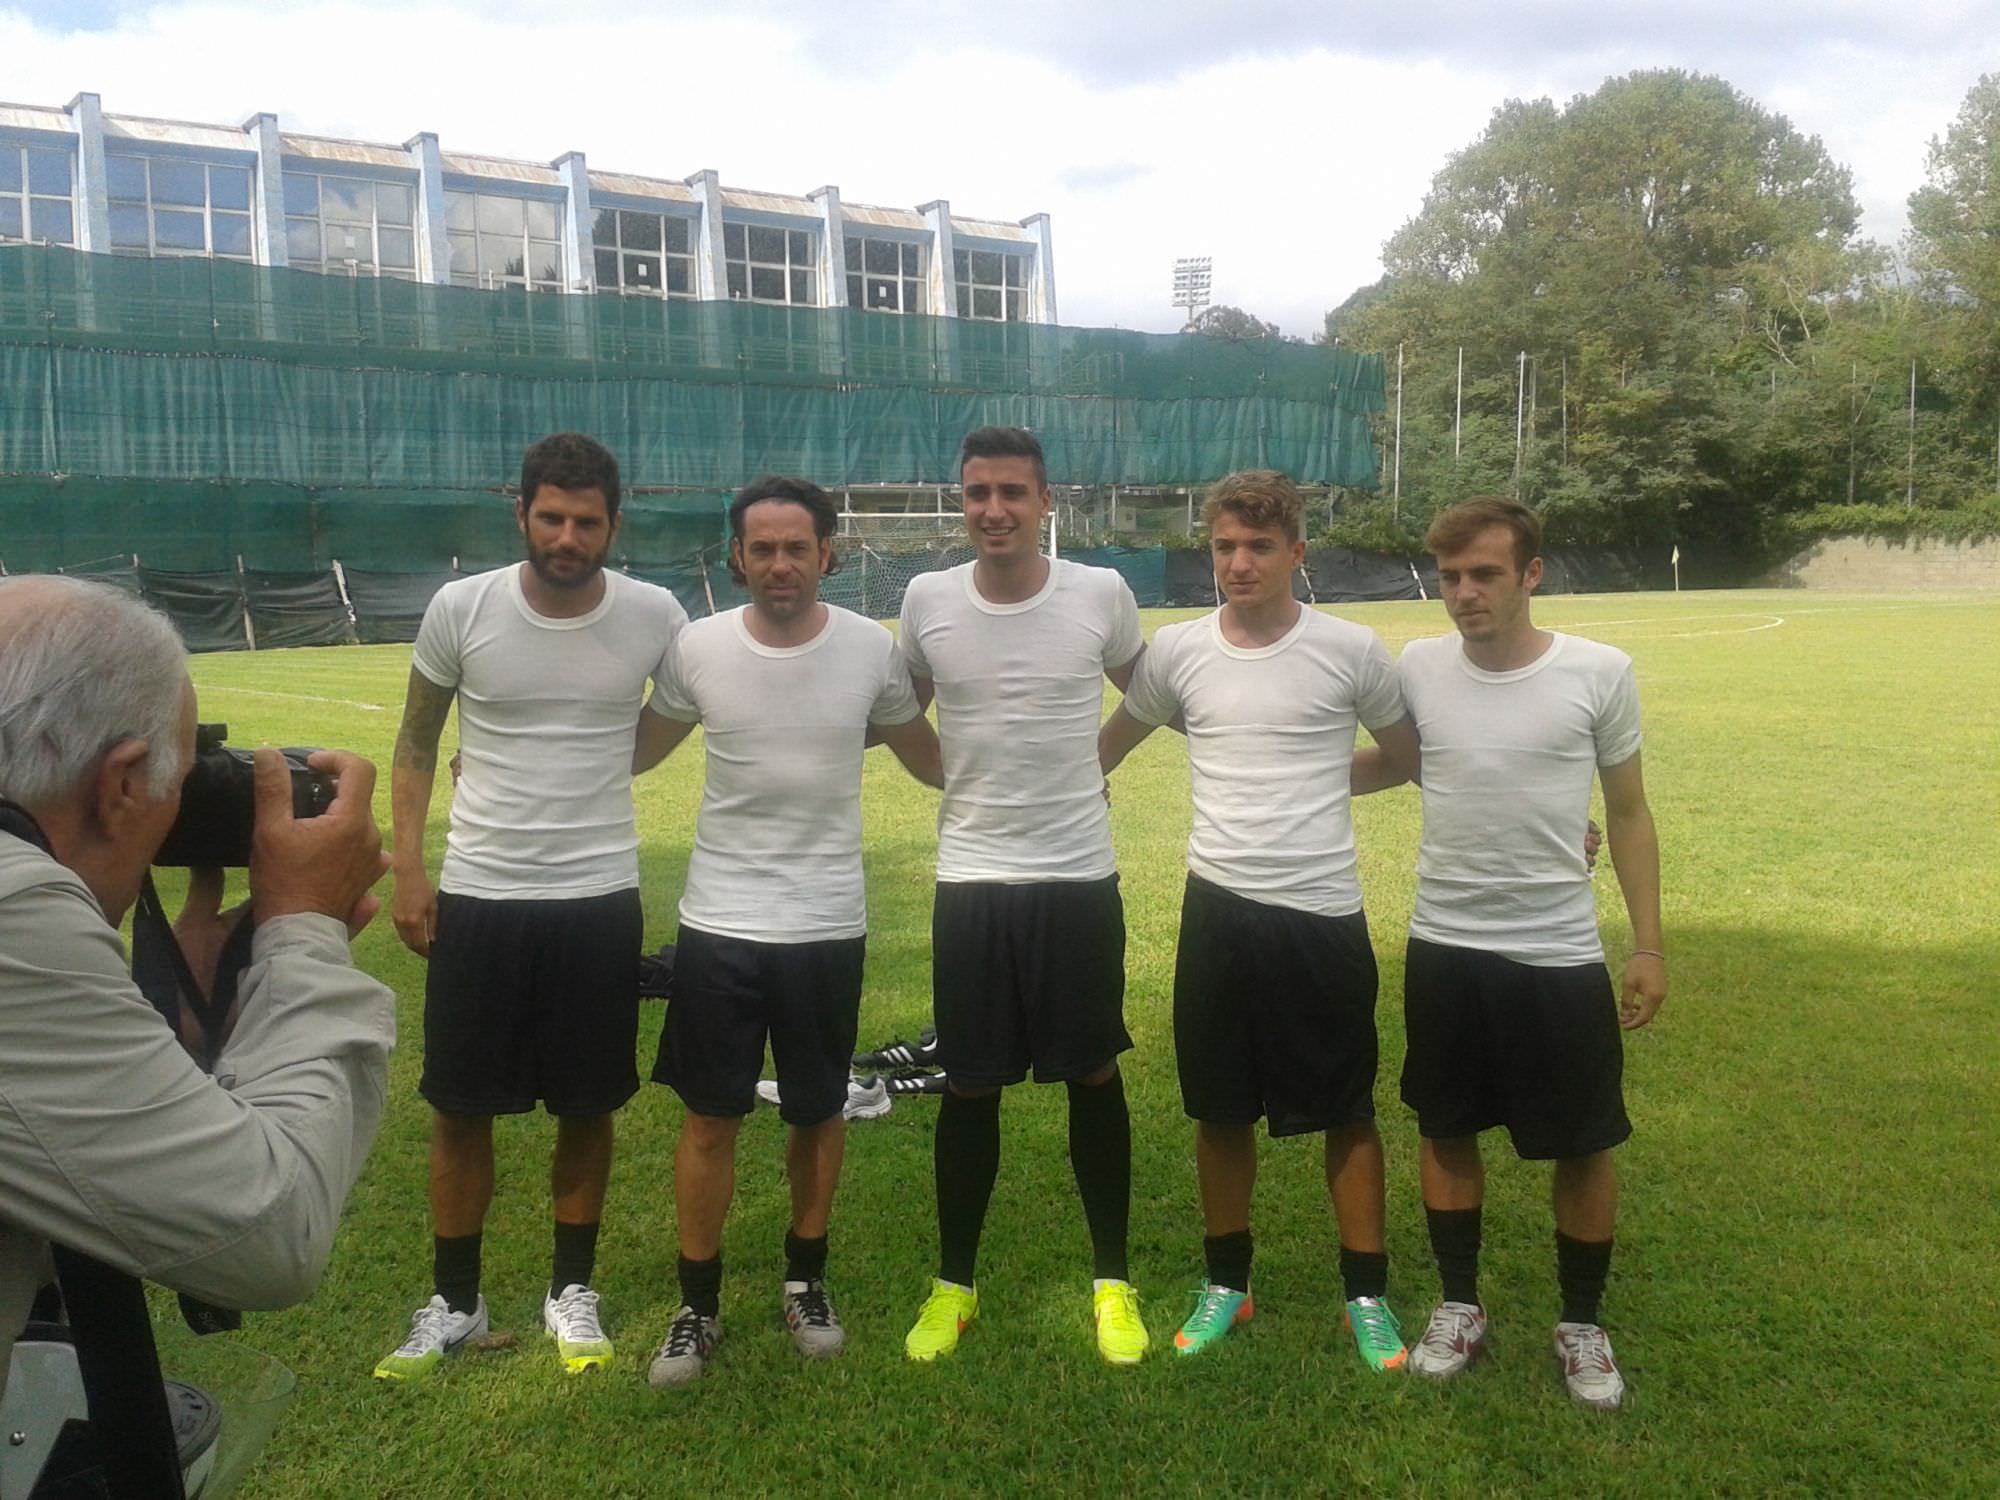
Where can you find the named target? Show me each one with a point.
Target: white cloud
(1288, 167)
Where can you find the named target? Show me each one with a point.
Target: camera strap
(160, 968)
(115, 1353)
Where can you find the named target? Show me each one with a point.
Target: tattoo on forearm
(424, 712)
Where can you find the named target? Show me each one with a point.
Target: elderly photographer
(113, 1142)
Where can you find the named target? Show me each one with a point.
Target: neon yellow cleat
(1121, 1337)
(947, 1312)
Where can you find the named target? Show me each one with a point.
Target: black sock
(1455, 1243)
(701, 1285)
(1581, 1269)
(805, 1260)
(1228, 1257)
(1100, 1153)
(1364, 1273)
(455, 1266)
(575, 1257)
(967, 1159)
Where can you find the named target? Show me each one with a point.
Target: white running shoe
(1454, 1339)
(1584, 1352)
(572, 1321)
(435, 1331)
(867, 1098)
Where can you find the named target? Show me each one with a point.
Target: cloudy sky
(1285, 140)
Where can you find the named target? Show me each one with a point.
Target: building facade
(125, 185)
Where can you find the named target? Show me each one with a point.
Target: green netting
(412, 404)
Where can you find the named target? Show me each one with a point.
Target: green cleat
(1377, 1335)
(1217, 1309)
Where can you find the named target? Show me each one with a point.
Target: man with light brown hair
(1275, 980)
(1510, 1013)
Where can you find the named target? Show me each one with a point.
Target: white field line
(219, 687)
(1760, 614)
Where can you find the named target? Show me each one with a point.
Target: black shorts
(1028, 976)
(1495, 1042)
(731, 994)
(1274, 1013)
(533, 1001)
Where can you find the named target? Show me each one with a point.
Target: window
(37, 201)
(992, 285)
(885, 275)
(350, 226)
(501, 241)
(645, 253)
(166, 206)
(769, 265)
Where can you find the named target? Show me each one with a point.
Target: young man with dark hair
(1509, 1008)
(789, 691)
(1275, 982)
(1028, 934)
(534, 937)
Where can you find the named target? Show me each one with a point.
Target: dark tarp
(388, 607)
(296, 609)
(207, 608)
(1341, 576)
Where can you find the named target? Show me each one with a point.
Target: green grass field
(1804, 1298)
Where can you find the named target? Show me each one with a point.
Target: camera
(219, 802)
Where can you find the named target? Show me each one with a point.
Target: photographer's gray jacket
(114, 1142)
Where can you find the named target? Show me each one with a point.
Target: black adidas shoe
(918, 1054)
(913, 1081)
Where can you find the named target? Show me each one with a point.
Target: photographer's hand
(322, 865)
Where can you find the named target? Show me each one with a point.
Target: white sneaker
(435, 1331)
(691, 1339)
(1454, 1339)
(867, 1098)
(571, 1320)
(814, 1324)
(1584, 1352)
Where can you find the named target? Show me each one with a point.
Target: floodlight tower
(1193, 276)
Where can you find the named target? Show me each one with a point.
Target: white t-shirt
(1270, 746)
(1508, 759)
(1020, 695)
(547, 710)
(777, 844)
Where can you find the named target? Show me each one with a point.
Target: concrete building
(124, 185)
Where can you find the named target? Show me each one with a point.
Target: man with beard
(534, 936)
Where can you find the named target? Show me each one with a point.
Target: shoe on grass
(867, 1098)
(571, 1319)
(947, 1312)
(917, 1054)
(1121, 1337)
(1584, 1352)
(910, 1083)
(814, 1324)
(1454, 1339)
(1377, 1335)
(1217, 1309)
(435, 1331)
(691, 1339)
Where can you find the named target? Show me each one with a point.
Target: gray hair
(82, 667)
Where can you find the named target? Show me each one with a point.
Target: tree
(1231, 323)
(1341, 318)
(1656, 249)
